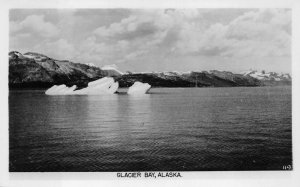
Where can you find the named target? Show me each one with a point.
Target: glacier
(105, 85)
(138, 88)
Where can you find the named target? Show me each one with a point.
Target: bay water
(169, 129)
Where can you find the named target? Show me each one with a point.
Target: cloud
(35, 24)
(143, 32)
(59, 49)
(148, 35)
(258, 33)
(144, 23)
(129, 28)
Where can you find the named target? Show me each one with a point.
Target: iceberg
(51, 90)
(70, 90)
(139, 88)
(59, 90)
(113, 88)
(106, 85)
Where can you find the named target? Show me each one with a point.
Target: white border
(232, 178)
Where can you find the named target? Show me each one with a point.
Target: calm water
(183, 129)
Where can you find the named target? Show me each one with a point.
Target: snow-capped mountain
(112, 67)
(268, 76)
(14, 54)
(35, 56)
(90, 64)
(37, 70)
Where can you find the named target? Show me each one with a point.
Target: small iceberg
(60, 90)
(106, 85)
(139, 88)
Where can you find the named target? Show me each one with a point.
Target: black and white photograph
(149, 90)
(138, 93)
(103, 90)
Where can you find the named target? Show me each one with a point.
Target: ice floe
(60, 90)
(106, 85)
(139, 88)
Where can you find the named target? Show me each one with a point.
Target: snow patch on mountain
(90, 64)
(112, 67)
(267, 76)
(29, 56)
(35, 56)
(14, 54)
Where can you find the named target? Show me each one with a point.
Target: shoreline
(45, 88)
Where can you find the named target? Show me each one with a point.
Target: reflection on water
(169, 129)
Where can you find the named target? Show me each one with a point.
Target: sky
(143, 40)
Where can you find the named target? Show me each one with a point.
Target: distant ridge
(35, 70)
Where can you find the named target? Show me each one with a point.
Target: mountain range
(34, 70)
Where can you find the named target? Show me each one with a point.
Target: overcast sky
(158, 39)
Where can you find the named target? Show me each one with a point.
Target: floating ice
(139, 88)
(106, 85)
(113, 88)
(60, 90)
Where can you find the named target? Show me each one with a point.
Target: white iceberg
(70, 90)
(58, 90)
(113, 88)
(106, 85)
(51, 90)
(139, 88)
